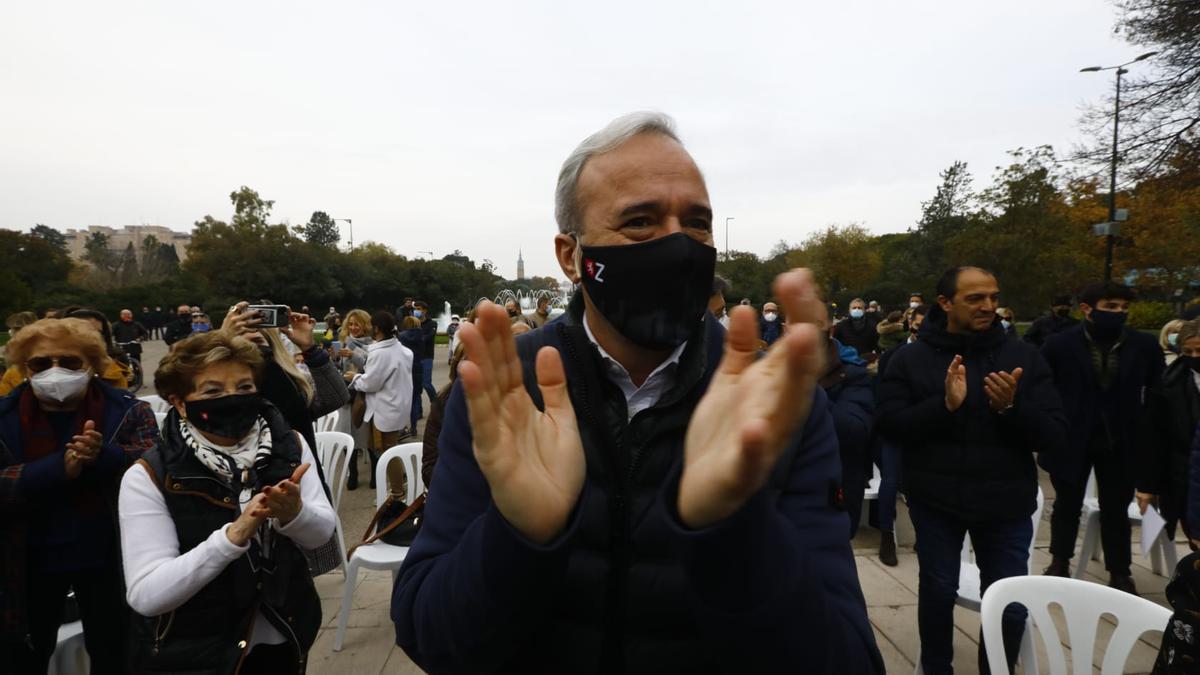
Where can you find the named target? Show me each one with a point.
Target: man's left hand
(1001, 389)
(752, 407)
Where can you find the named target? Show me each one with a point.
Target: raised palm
(752, 406)
(533, 460)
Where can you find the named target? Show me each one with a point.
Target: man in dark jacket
(179, 327)
(969, 409)
(1058, 320)
(1102, 370)
(852, 402)
(858, 330)
(428, 338)
(600, 512)
(770, 324)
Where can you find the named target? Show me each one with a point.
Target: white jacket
(387, 382)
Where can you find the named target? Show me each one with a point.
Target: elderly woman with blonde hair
(66, 437)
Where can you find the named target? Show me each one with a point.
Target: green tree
(97, 252)
(843, 259)
(320, 230)
(52, 236)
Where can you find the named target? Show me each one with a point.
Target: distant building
(520, 265)
(119, 240)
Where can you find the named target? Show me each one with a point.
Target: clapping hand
(752, 407)
(533, 460)
(956, 384)
(82, 450)
(282, 501)
(1001, 389)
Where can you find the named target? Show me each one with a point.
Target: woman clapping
(213, 522)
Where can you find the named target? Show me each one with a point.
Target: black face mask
(654, 293)
(1062, 313)
(228, 416)
(1107, 326)
(1192, 362)
(185, 316)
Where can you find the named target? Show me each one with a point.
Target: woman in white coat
(386, 381)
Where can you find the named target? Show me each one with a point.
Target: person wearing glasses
(66, 437)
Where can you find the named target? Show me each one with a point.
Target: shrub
(1150, 315)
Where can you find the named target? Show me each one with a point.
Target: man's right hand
(956, 384)
(533, 461)
(242, 529)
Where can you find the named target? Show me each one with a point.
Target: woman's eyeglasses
(39, 363)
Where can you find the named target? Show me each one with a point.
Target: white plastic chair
(326, 422)
(1164, 547)
(1082, 604)
(379, 555)
(333, 452)
(872, 490)
(157, 403)
(969, 596)
(70, 654)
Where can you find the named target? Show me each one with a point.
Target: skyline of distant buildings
(120, 238)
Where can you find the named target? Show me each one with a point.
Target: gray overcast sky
(437, 126)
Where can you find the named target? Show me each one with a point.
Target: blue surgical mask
(201, 327)
(1006, 323)
(1173, 339)
(856, 314)
(418, 313)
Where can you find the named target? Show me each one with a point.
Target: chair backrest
(157, 403)
(161, 417)
(410, 454)
(327, 422)
(333, 452)
(968, 555)
(1082, 603)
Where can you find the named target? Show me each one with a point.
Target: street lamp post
(350, 223)
(727, 238)
(1112, 179)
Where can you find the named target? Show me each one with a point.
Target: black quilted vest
(209, 633)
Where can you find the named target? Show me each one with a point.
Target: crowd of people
(642, 482)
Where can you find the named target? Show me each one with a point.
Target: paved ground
(890, 593)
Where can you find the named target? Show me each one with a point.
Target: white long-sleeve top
(160, 580)
(387, 383)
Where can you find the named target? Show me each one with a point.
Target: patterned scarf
(250, 453)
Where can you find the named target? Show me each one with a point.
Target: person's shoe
(1059, 567)
(1122, 582)
(887, 548)
(352, 473)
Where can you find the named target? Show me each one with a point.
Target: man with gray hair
(630, 488)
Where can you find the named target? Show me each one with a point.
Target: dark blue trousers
(1001, 551)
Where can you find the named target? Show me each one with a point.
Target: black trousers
(1114, 486)
(270, 660)
(102, 608)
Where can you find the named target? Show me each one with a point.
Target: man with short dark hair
(968, 408)
(406, 309)
(716, 300)
(541, 314)
(630, 488)
(1058, 320)
(1103, 369)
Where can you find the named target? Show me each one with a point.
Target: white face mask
(59, 385)
(1007, 324)
(856, 313)
(770, 316)
(914, 305)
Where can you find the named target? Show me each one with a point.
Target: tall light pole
(1112, 179)
(349, 222)
(727, 238)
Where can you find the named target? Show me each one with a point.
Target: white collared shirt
(659, 382)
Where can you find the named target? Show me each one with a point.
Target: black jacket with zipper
(209, 634)
(1174, 413)
(973, 462)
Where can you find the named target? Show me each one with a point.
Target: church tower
(520, 265)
